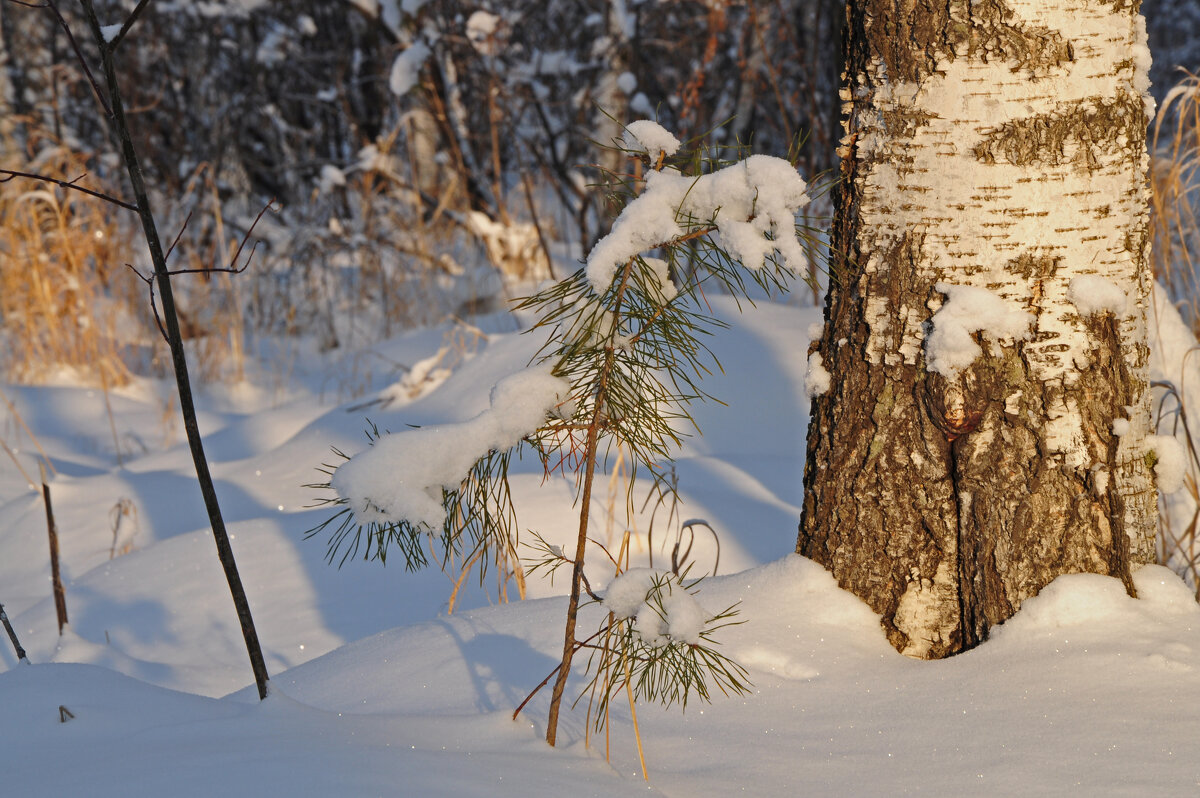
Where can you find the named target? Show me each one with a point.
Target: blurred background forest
(426, 159)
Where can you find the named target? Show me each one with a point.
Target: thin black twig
(12, 635)
(246, 237)
(149, 281)
(71, 184)
(133, 16)
(232, 268)
(178, 236)
(119, 127)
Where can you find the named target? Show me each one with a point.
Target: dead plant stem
(637, 734)
(60, 595)
(12, 636)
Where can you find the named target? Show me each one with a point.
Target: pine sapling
(624, 358)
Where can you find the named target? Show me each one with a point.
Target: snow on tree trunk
(960, 460)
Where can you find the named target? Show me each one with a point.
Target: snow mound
(1099, 605)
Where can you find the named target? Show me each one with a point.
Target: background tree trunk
(997, 144)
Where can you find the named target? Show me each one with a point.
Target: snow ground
(377, 691)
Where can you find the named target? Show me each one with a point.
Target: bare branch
(174, 243)
(133, 15)
(149, 281)
(245, 238)
(587, 586)
(71, 184)
(232, 268)
(549, 676)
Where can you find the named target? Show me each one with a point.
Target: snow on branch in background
(406, 69)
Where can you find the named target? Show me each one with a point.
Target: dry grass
(363, 260)
(1175, 228)
(1178, 547)
(1175, 181)
(62, 300)
(68, 298)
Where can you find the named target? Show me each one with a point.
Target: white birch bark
(1008, 155)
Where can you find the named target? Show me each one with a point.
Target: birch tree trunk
(998, 144)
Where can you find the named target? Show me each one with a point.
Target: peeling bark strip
(998, 144)
(914, 42)
(1081, 130)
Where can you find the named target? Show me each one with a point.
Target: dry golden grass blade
(1175, 181)
(60, 306)
(637, 732)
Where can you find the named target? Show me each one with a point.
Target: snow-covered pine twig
(402, 476)
(752, 205)
(447, 482)
(667, 638)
